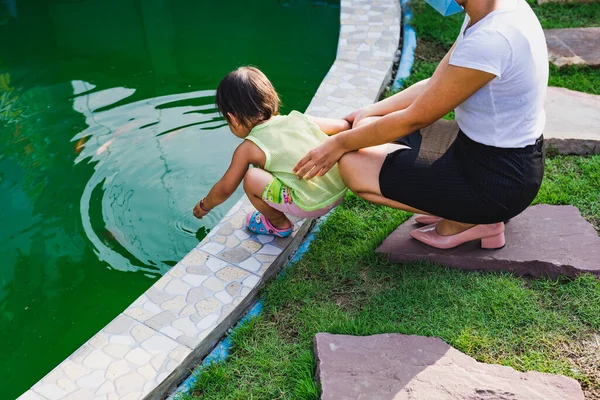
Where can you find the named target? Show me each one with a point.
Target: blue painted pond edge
(409, 44)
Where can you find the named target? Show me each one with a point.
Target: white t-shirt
(509, 110)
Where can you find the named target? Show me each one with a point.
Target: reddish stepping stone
(573, 46)
(544, 240)
(396, 366)
(572, 121)
(565, 1)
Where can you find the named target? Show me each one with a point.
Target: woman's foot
(447, 227)
(432, 219)
(427, 219)
(491, 235)
(259, 224)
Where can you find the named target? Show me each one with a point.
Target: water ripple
(153, 159)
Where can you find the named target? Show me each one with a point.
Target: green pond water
(109, 136)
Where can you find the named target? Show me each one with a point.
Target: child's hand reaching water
(250, 105)
(200, 210)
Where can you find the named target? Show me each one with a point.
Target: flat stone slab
(573, 46)
(567, 1)
(572, 121)
(544, 240)
(402, 367)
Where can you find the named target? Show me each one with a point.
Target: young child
(273, 143)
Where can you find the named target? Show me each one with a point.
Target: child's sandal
(258, 223)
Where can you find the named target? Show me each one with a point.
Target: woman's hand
(352, 116)
(356, 116)
(320, 159)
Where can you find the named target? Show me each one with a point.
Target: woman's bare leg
(448, 228)
(360, 172)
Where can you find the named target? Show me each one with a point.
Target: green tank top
(285, 140)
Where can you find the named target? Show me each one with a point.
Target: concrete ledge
(151, 347)
(367, 49)
(148, 348)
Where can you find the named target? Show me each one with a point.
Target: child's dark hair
(248, 95)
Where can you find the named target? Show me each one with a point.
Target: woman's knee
(346, 168)
(360, 169)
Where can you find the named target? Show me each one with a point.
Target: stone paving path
(564, 1)
(367, 49)
(396, 366)
(544, 240)
(573, 118)
(572, 121)
(573, 46)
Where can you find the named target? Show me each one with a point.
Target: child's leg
(255, 182)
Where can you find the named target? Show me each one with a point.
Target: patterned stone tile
(31, 395)
(370, 30)
(248, 249)
(363, 83)
(124, 360)
(188, 302)
(367, 48)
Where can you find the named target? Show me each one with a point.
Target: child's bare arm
(331, 126)
(247, 153)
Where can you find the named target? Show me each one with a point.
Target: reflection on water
(142, 152)
(108, 138)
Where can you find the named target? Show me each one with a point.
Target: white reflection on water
(154, 159)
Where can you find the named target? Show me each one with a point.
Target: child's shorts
(278, 196)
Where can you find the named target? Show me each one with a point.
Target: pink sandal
(258, 223)
(491, 235)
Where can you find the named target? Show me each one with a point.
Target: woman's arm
(453, 86)
(403, 99)
(247, 153)
(330, 126)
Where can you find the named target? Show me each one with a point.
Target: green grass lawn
(342, 286)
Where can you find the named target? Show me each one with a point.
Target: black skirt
(447, 174)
